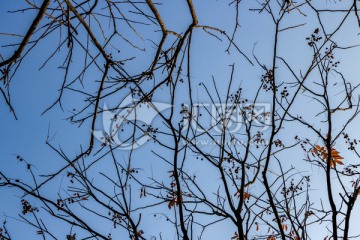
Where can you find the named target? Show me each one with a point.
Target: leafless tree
(272, 156)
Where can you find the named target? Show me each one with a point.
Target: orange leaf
(335, 157)
(171, 203)
(315, 151)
